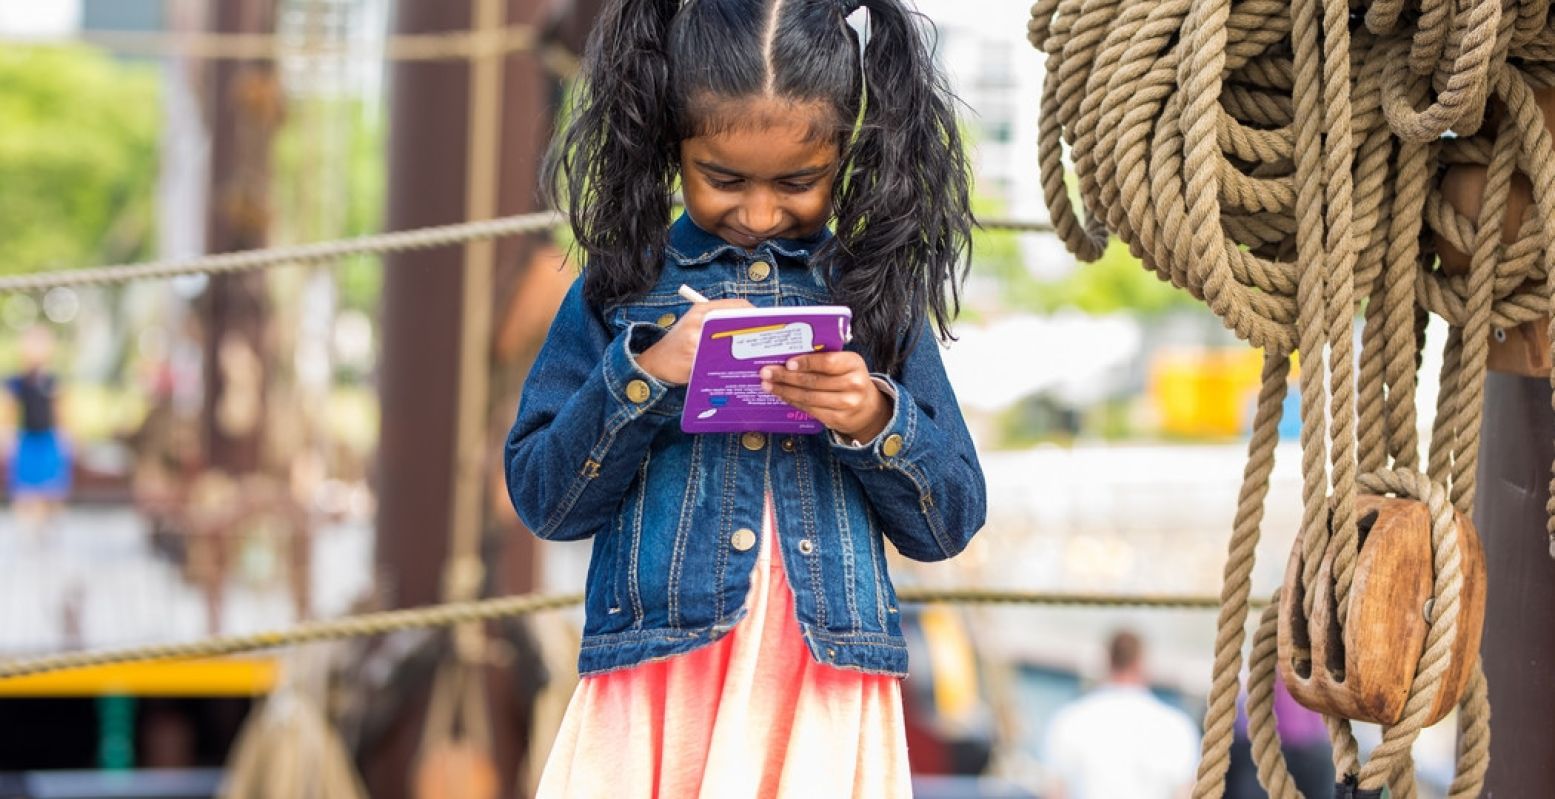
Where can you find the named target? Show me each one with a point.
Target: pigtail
(613, 166)
(903, 203)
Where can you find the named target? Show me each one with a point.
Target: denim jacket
(597, 450)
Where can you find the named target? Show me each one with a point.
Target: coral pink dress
(751, 715)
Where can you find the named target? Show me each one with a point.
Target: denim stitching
(682, 531)
(581, 481)
(925, 504)
(845, 532)
(617, 533)
(613, 426)
(798, 254)
(806, 494)
(704, 258)
(726, 522)
(882, 579)
(632, 581)
(852, 639)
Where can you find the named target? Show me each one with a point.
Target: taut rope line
(456, 613)
(289, 255)
(334, 250)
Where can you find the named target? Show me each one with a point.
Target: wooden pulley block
(1463, 187)
(1367, 673)
(1525, 349)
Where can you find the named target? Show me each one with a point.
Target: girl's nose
(763, 215)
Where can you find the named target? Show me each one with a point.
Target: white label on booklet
(770, 340)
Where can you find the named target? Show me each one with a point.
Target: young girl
(742, 637)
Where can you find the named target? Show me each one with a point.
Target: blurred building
(121, 15)
(999, 79)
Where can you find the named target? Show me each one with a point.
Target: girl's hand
(835, 388)
(669, 359)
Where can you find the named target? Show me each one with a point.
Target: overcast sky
(39, 17)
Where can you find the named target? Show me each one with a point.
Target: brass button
(805, 546)
(892, 445)
(754, 441)
(637, 391)
(789, 444)
(760, 270)
(743, 539)
(667, 320)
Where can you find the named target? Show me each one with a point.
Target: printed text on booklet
(724, 394)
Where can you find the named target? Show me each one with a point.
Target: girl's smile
(767, 179)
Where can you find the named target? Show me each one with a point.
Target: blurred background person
(1119, 740)
(1303, 740)
(40, 459)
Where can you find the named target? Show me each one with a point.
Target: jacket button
(892, 445)
(789, 444)
(805, 546)
(667, 320)
(743, 539)
(637, 391)
(754, 441)
(759, 271)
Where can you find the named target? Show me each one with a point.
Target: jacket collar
(690, 245)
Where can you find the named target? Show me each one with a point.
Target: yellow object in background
(1204, 393)
(954, 663)
(177, 678)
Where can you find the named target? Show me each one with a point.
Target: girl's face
(768, 176)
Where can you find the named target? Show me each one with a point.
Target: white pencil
(691, 293)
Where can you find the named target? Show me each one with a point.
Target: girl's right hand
(669, 360)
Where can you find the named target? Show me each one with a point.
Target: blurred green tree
(1115, 283)
(78, 158)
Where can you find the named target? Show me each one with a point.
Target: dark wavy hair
(657, 72)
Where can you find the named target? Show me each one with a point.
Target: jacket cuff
(632, 388)
(893, 442)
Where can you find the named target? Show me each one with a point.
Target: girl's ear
(612, 167)
(903, 202)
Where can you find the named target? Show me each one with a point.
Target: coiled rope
(1277, 160)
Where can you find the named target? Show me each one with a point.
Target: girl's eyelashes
(788, 186)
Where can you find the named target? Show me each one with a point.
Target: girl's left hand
(835, 388)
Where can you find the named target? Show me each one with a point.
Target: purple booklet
(724, 394)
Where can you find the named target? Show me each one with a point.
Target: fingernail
(766, 373)
(766, 385)
(793, 366)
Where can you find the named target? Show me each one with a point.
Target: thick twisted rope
(452, 614)
(320, 252)
(330, 251)
(1220, 716)
(446, 615)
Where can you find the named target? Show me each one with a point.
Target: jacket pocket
(663, 309)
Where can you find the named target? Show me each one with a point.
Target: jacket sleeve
(921, 472)
(587, 416)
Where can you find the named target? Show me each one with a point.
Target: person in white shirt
(1119, 741)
